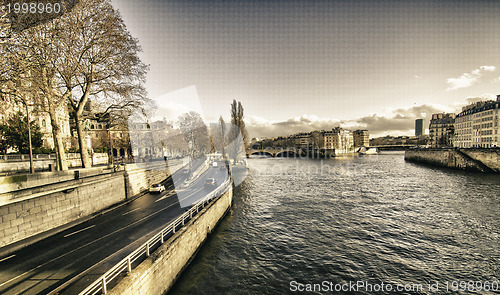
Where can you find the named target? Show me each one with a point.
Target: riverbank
(475, 159)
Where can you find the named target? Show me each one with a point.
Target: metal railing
(144, 251)
(26, 157)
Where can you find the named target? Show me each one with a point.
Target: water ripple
(377, 218)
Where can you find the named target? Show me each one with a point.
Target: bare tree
(30, 54)
(83, 54)
(25, 79)
(195, 131)
(100, 60)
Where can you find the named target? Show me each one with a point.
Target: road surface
(69, 261)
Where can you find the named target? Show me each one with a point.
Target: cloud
(399, 121)
(482, 97)
(488, 68)
(260, 127)
(468, 79)
(390, 121)
(173, 104)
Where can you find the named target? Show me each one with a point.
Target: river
(371, 222)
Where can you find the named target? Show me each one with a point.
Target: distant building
(419, 127)
(441, 130)
(477, 125)
(318, 139)
(399, 140)
(340, 140)
(301, 140)
(361, 138)
(42, 119)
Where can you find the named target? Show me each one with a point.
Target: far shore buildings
(477, 125)
(441, 130)
(361, 138)
(339, 140)
(400, 141)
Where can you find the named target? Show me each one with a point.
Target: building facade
(477, 125)
(42, 119)
(361, 138)
(441, 130)
(340, 140)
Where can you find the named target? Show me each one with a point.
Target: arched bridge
(274, 152)
(394, 147)
(292, 152)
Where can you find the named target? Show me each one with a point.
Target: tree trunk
(84, 153)
(62, 163)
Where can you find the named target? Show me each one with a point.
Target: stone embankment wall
(26, 213)
(33, 204)
(157, 274)
(482, 160)
(139, 177)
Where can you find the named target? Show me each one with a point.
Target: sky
(303, 65)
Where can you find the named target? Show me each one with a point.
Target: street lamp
(192, 157)
(32, 169)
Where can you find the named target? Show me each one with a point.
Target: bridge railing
(144, 251)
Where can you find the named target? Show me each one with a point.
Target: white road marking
(7, 258)
(18, 276)
(130, 211)
(79, 231)
(96, 240)
(165, 196)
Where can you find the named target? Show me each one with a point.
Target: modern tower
(419, 127)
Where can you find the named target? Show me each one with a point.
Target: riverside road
(67, 262)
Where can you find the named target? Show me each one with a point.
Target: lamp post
(110, 144)
(32, 169)
(192, 158)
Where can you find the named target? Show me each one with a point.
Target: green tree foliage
(15, 134)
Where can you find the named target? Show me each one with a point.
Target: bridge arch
(261, 153)
(286, 153)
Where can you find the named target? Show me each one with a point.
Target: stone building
(361, 138)
(42, 119)
(339, 139)
(302, 140)
(477, 125)
(441, 130)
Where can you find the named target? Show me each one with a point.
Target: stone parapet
(476, 159)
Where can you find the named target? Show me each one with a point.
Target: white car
(156, 188)
(187, 182)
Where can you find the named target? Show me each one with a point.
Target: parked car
(157, 188)
(210, 183)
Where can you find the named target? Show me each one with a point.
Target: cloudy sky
(301, 65)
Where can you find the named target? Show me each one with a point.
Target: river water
(360, 225)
